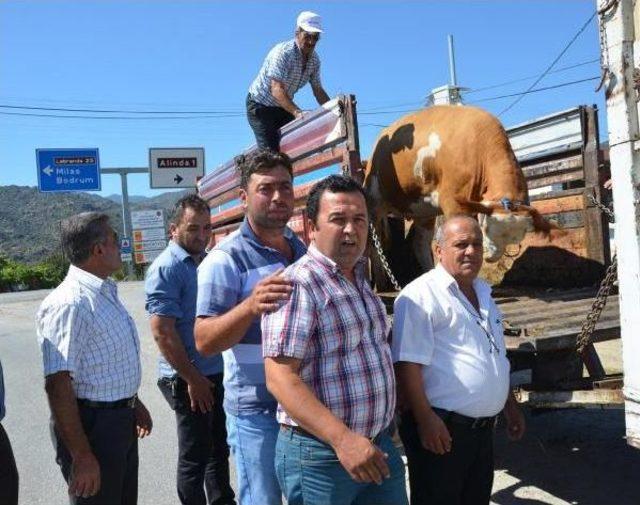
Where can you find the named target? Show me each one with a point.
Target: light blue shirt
(286, 64)
(171, 287)
(225, 278)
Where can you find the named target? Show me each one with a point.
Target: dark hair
(334, 184)
(260, 161)
(81, 232)
(190, 201)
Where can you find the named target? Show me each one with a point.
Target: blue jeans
(252, 440)
(310, 474)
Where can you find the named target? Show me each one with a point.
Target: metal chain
(383, 258)
(589, 325)
(604, 45)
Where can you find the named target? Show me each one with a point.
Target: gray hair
(81, 232)
(440, 230)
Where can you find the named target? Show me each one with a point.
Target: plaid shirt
(284, 63)
(339, 332)
(84, 329)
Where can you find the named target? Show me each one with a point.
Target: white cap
(309, 22)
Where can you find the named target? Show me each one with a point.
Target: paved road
(567, 457)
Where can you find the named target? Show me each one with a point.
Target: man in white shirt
(91, 356)
(452, 372)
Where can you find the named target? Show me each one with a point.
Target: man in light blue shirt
(287, 68)
(239, 281)
(8, 469)
(190, 382)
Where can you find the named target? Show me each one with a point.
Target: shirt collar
(247, 233)
(331, 265)
(446, 280)
(178, 251)
(87, 279)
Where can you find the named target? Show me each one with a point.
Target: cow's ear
(469, 207)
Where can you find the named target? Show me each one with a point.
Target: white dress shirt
(84, 329)
(464, 364)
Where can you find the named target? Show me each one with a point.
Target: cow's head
(504, 223)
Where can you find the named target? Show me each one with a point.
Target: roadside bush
(20, 277)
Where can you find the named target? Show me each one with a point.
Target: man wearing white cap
(286, 69)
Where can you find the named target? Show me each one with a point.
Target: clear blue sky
(201, 56)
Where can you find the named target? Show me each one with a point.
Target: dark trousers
(113, 440)
(8, 472)
(265, 122)
(203, 453)
(463, 476)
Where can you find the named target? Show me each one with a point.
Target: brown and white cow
(450, 160)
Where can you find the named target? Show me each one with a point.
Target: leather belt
(301, 431)
(475, 423)
(125, 403)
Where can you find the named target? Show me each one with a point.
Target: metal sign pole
(126, 214)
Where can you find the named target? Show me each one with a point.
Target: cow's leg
(421, 242)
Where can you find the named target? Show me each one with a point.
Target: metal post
(452, 63)
(617, 41)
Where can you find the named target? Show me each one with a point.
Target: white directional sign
(175, 167)
(149, 234)
(147, 219)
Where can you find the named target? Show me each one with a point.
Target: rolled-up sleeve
(412, 336)
(287, 331)
(162, 292)
(219, 286)
(61, 330)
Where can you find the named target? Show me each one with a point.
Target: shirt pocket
(340, 327)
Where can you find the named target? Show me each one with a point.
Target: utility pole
(620, 54)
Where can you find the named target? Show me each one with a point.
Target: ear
(469, 207)
(242, 194)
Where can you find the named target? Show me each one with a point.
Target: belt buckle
(131, 402)
(478, 423)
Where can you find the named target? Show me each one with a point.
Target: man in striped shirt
(238, 281)
(328, 363)
(91, 355)
(287, 68)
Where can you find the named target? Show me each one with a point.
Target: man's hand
(85, 475)
(515, 420)
(144, 424)
(200, 391)
(269, 292)
(364, 461)
(433, 433)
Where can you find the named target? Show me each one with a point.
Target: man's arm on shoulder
(85, 470)
(222, 322)
(364, 461)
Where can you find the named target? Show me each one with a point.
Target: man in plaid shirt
(328, 363)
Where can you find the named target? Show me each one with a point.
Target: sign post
(149, 235)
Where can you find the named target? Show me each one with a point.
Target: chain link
(589, 325)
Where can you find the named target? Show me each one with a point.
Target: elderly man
(91, 355)
(238, 281)
(286, 69)
(328, 363)
(453, 373)
(191, 383)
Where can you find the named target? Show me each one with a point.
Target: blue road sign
(125, 245)
(68, 170)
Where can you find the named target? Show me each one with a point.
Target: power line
(566, 48)
(138, 118)
(506, 83)
(546, 88)
(114, 111)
